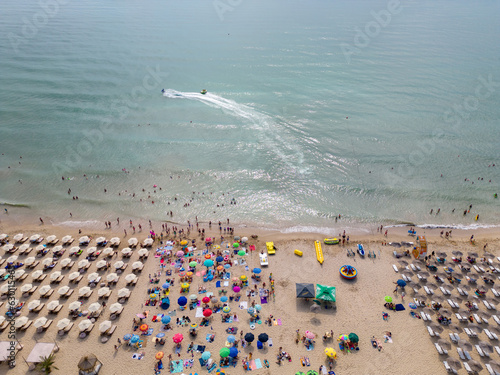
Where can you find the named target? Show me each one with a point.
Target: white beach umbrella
(40, 248)
(126, 251)
(18, 237)
(93, 307)
(36, 274)
(84, 240)
(84, 324)
(2, 319)
(103, 291)
(148, 241)
(83, 291)
(65, 262)
(26, 287)
(75, 305)
(52, 305)
(7, 247)
(142, 252)
(83, 263)
(34, 238)
(29, 261)
(101, 264)
(132, 241)
(63, 290)
(123, 292)
(130, 277)
(112, 277)
(66, 239)
(104, 326)
(12, 259)
(34, 304)
(136, 265)
(115, 241)
(115, 307)
(100, 240)
(19, 322)
(91, 250)
(73, 275)
(108, 251)
(74, 250)
(44, 290)
(244, 239)
(51, 238)
(19, 273)
(57, 248)
(24, 247)
(47, 262)
(119, 264)
(40, 322)
(3, 271)
(5, 288)
(93, 276)
(3, 236)
(55, 275)
(63, 323)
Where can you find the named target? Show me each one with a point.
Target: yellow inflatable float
(319, 252)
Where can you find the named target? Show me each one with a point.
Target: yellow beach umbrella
(243, 278)
(330, 353)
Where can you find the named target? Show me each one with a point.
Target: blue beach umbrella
(223, 299)
(127, 337)
(231, 339)
(134, 339)
(401, 282)
(251, 310)
(219, 259)
(182, 301)
(227, 266)
(166, 286)
(257, 270)
(258, 307)
(206, 355)
(166, 319)
(208, 263)
(233, 352)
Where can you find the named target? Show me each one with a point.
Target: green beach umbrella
(236, 245)
(299, 373)
(312, 372)
(353, 337)
(224, 352)
(325, 293)
(193, 264)
(242, 252)
(388, 299)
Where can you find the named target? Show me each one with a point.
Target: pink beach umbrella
(310, 335)
(208, 239)
(206, 299)
(178, 338)
(236, 288)
(180, 253)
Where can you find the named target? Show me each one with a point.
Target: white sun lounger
(497, 349)
(461, 353)
(454, 337)
(453, 304)
(462, 292)
(467, 355)
(431, 332)
(468, 369)
(481, 269)
(446, 292)
(470, 332)
(478, 270)
(421, 278)
(440, 349)
(414, 269)
(491, 335)
(460, 317)
(406, 278)
(488, 306)
(395, 268)
(428, 290)
(490, 369)
(448, 368)
(424, 317)
(481, 352)
(497, 320)
(495, 292)
(478, 319)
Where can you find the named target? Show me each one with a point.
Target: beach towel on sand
(199, 312)
(177, 366)
(258, 364)
(263, 300)
(252, 365)
(400, 307)
(243, 305)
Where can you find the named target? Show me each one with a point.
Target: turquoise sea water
(314, 109)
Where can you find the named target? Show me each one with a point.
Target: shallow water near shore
(289, 128)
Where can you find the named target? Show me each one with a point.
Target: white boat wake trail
(267, 129)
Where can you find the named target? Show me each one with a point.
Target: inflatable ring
(348, 272)
(226, 258)
(216, 247)
(259, 321)
(252, 326)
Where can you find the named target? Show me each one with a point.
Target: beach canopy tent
(5, 350)
(325, 293)
(305, 290)
(39, 351)
(89, 365)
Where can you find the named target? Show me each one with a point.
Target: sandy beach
(359, 306)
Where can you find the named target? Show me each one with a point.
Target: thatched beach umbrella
(88, 363)
(464, 344)
(445, 344)
(454, 363)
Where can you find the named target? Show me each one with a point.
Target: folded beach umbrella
(263, 337)
(475, 365)
(40, 322)
(224, 352)
(249, 337)
(205, 355)
(63, 323)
